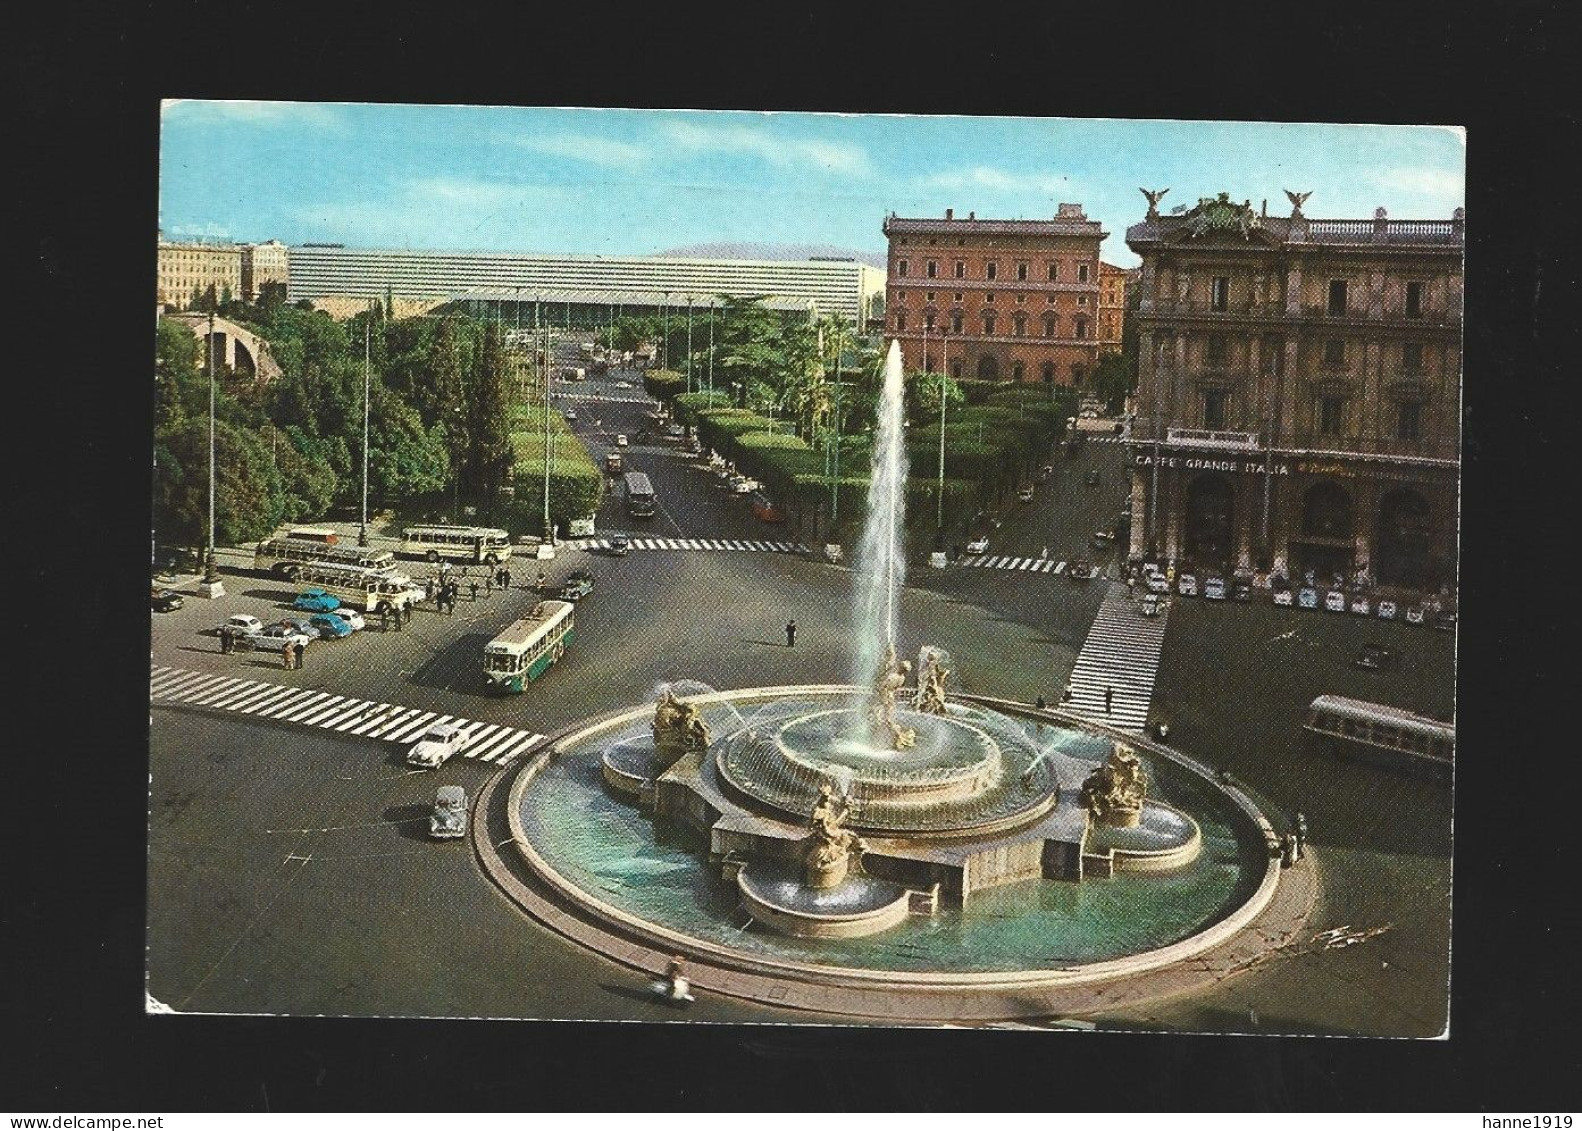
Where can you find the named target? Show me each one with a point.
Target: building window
(1054, 272)
(1020, 299)
(988, 323)
(900, 268)
(1409, 420)
(1414, 300)
(1049, 373)
(961, 268)
(991, 269)
(955, 369)
(1337, 296)
(1021, 272)
(1412, 357)
(933, 269)
(1016, 371)
(1330, 410)
(1019, 325)
(1082, 272)
(928, 321)
(1049, 325)
(1219, 293)
(900, 319)
(1082, 300)
(1335, 352)
(1082, 328)
(1214, 408)
(955, 323)
(958, 296)
(1216, 351)
(989, 297)
(930, 296)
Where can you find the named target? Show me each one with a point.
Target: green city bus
(526, 648)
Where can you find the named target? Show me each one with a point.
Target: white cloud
(832, 156)
(210, 113)
(439, 212)
(585, 147)
(999, 180)
(1427, 181)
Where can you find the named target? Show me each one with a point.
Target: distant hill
(773, 251)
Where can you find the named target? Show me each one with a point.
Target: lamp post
(211, 586)
(362, 528)
(664, 344)
(549, 531)
(834, 483)
(689, 343)
(711, 353)
(944, 371)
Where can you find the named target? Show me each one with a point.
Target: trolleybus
(285, 557)
(1381, 733)
(639, 495)
(526, 648)
(478, 544)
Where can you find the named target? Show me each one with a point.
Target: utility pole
(549, 531)
(711, 353)
(834, 484)
(944, 372)
(1153, 495)
(362, 529)
(689, 343)
(211, 586)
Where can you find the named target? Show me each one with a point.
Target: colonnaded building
(581, 290)
(996, 299)
(1298, 404)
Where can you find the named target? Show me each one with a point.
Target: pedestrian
(507, 575)
(1041, 704)
(538, 586)
(384, 618)
(790, 634)
(1044, 553)
(473, 585)
(406, 614)
(1301, 835)
(1068, 694)
(1109, 699)
(301, 650)
(1131, 584)
(225, 642)
(488, 584)
(285, 656)
(1287, 850)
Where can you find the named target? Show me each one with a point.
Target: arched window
(1016, 371)
(1327, 511)
(988, 368)
(1049, 373)
(900, 319)
(1210, 513)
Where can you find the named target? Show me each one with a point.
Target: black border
(86, 98)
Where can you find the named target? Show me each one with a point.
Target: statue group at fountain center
(887, 684)
(832, 846)
(679, 730)
(1113, 794)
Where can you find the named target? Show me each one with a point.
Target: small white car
(242, 625)
(1282, 597)
(1307, 597)
(1149, 605)
(1360, 604)
(1387, 610)
(620, 440)
(623, 384)
(438, 743)
(978, 546)
(1025, 494)
(1214, 588)
(1186, 585)
(449, 818)
(278, 635)
(1414, 614)
(1157, 583)
(354, 619)
(1335, 601)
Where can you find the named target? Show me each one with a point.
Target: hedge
(665, 384)
(575, 482)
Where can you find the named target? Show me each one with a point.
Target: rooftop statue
(887, 684)
(1154, 198)
(1113, 793)
(1297, 200)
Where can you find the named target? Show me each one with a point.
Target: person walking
(1041, 704)
(406, 614)
(1301, 835)
(384, 618)
(301, 651)
(1043, 554)
(473, 586)
(225, 642)
(488, 584)
(790, 634)
(1109, 699)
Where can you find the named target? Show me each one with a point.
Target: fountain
(833, 813)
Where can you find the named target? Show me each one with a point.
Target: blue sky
(627, 182)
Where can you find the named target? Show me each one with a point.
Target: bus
(639, 495)
(372, 588)
(475, 544)
(1386, 734)
(528, 646)
(285, 557)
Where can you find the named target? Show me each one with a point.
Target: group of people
(447, 587)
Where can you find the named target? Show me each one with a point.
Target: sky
(634, 182)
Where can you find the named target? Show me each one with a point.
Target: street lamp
(944, 370)
(211, 586)
(689, 343)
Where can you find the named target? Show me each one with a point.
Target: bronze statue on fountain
(832, 847)
(679, 729)
(887, 684)
(1113, 794)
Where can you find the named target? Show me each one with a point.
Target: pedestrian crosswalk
(1031, 565)
(1120, 655)
(606, 398)
(697, 544)
(387, 722)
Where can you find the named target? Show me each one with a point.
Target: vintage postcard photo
(789, 568)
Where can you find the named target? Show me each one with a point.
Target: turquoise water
(661, 873)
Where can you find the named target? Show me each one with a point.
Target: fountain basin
(860, 905)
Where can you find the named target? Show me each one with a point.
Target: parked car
(1025, 494)
(1374, 657)
(449, 818)
(1214, 587)
(1045, 472)
(1387, 610)
(1241, 589)
(165, 600)
(1335, 601)
(742, 485)
(1360, 604)
(438, 743)
(766, 510)
(978, 546)
(938, 559)
(242, 625)
(1156, 582)
(1283, 596)
(578, 584)
(1082, 570)
(620, 440)
(1416, 614)
(351, 618)
(675, 431)
(1307, 597)
(329, 626)
(1103, 540)
(571, 416)
(1186, 585)
(274, 637)
(620, 545)
(623, 384)
(1149, 605)
(614, 463)
(316, 601)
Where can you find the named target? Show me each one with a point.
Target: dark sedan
(166, 600)
(578, 584)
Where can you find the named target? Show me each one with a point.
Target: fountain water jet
(881, 553)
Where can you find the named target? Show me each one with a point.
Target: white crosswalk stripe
(1121, 654)
(741, 545)
(385, 722)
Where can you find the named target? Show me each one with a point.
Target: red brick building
(1009, 300)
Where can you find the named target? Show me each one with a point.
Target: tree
(1113, 379)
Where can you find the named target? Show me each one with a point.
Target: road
(289, 871)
